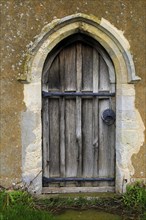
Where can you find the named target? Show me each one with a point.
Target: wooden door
(78, 147)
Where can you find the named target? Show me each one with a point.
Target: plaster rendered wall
(21, 21)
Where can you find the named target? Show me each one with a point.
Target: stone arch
(113, 41)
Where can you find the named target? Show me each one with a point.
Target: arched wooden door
(78, 146)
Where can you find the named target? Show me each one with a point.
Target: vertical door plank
(70, 138)
(45, 118)
(62, 114)
(103, 141)
(103, 128)
(95, 111)
(54, 76)
(111, 134)
(104, 82)
(106, 133)
(62, 70)
(62, 137)
(87, 53)
(88, 153)
(70, 113)
(79, 66)
(78, 109)
(70, 68)
(54, 138)
(87, 110)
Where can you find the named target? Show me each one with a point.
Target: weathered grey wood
(112, 87)
(62, 137)
(62, 114)
(70, 131)
(49, 59)
(87, 53)
(53, 76)
(79, 135)
(103, 76)
(70, 113)
(106, 133)
(88, 152)
(78, 110)
(45, 118)
(48, 190)
(79, 67)
(80, 143)
(103, 128)
(107, 146)
(95, 111)
(70, 68)
(62, 70)
(87, 105)
(103, 142)
(54, 138)
(111, 139)
(95, 70)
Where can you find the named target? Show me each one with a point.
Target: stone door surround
(129, 125)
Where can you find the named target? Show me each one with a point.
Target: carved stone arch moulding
(129, 126)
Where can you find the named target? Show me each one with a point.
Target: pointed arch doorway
(78, 145)
(49, 42)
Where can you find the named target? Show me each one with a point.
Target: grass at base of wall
(21, 205)
(23, 212)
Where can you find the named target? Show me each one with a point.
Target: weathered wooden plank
(104, 82)
(62, 70)
(70, 139)
(88, 152)
(103, 128)
(111, 139)
(95, 111)
(87, 78)
(79, 135)
(53, 76)
(48, 190)
(45, 119)
(95, 70)
(62, 137)
(54, 138)
(62, 114)
(107, 146)
(70, 68)
(78, 109)
(104, 156)
(79, 67)
(106, 133)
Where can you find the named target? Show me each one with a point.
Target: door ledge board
(49, 190)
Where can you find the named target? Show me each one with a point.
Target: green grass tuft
(20, 205)
(135, 196)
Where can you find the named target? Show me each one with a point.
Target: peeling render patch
(31, 137)
(129, 132)
(129, 125)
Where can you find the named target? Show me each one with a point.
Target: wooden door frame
(117, 47)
